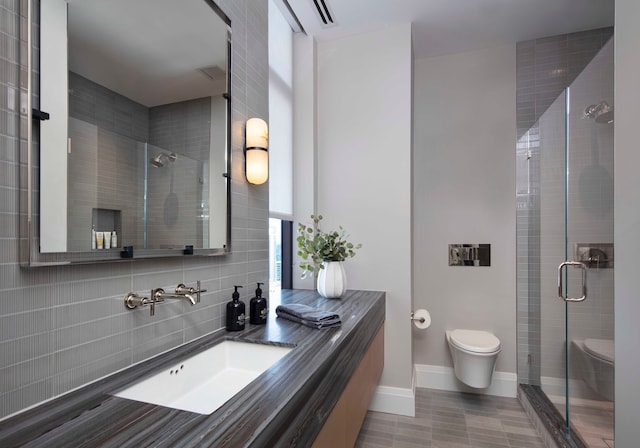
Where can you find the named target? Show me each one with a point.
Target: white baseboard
(394, 400)
(503, 384)
(400, 401)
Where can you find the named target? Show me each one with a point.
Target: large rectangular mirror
(133, 127)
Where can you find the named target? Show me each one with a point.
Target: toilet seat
(476, 341)
(600, 348)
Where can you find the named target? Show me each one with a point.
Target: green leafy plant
(316, 246)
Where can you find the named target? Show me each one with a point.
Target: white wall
(364, 172)
(54, 101)
(304, 140)
(475, 92)
(217, 183)
(627, 222)
(464, 192)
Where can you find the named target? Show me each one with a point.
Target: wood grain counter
(286, 406)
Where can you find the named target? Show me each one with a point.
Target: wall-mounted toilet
(474, 354)
(596, 358)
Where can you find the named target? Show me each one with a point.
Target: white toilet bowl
(474, 356)
(596, 358)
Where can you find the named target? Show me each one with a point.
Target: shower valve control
(595, 255)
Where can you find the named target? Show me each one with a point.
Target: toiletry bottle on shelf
(235, 312)
(114, 239)
(258, 308)
(99, 240)
(93, 237)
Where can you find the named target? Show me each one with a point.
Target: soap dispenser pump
(258, 308)
(235, 312)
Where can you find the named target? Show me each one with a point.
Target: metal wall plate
(595, 255)
(469, 254)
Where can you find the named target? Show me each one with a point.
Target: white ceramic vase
(332, 280)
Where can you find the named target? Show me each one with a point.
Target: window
(280, 254)
(275, 254)
(280, 149)
(280, 115)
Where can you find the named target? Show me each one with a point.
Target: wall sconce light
(256, 156)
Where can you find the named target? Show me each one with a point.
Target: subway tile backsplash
(62, 327)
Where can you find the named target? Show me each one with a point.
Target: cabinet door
(343, 425)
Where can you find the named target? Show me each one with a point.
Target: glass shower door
(554, 250)
(589, 223)
(576, 226)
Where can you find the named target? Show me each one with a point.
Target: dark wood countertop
(286, 406)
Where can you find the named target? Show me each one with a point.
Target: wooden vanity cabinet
(343, 424)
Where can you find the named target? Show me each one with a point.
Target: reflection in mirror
(142, 130)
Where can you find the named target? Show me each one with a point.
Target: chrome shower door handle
(584, 281)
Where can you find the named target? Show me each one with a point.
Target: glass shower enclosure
(162, 195)
(565, 181)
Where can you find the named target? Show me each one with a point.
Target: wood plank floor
(593, 420)
(452, 420)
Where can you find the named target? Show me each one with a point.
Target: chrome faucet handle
(133, 300)
(156, 297)
(157, 294)
(153, 300)
(184, 289)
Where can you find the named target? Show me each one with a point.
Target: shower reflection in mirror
(138, 136)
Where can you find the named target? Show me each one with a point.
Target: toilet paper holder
(421, 319)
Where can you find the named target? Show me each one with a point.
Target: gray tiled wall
(64, 326)
(118, 128)
(545, 67)
(115, 127)
(90, 187)
(109, 110)
(182, 128)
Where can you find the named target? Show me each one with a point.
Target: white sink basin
(204, 382)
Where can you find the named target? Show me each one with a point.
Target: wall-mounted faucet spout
(159, 295)
(188, 290)
(183, 292)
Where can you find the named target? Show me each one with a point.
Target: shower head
(159, 160)
(601, 112)
(605, 117)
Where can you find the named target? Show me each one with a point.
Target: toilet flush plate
(469, 254)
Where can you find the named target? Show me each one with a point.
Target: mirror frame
(30, 255)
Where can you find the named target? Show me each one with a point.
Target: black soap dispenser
(235, 312)
(258, 308)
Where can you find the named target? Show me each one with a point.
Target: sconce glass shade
(257, 169)
(256, 152)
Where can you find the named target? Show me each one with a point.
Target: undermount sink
(204, 382)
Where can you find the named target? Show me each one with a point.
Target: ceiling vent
(327, 19)
(213, 72)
